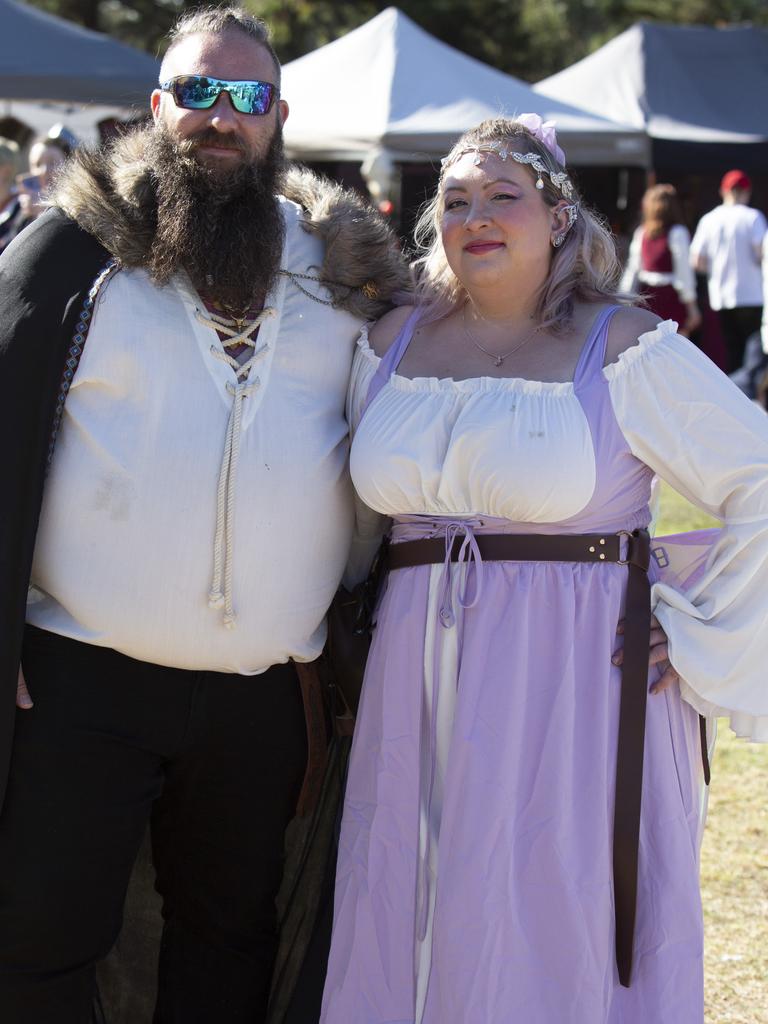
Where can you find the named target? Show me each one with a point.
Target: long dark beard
(224, 228)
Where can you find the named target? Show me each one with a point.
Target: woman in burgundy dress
(658, 265)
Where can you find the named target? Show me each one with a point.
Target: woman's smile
(480, 248)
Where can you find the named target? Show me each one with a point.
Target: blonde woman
(496, 863)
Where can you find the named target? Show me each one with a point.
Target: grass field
(734, 861)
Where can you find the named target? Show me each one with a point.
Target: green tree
(527, 38)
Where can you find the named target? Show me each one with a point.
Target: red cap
(735, 179)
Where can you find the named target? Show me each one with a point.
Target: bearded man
(173, 360)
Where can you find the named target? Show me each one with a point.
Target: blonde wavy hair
(585, 267)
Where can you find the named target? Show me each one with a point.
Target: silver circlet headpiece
(559, 179)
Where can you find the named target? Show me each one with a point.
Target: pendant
(499, 360)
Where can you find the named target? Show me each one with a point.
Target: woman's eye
(452, 204)
(504, 195)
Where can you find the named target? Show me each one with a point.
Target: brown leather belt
(312, 688)
(591, 547)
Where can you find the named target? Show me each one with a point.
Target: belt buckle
(629, 536)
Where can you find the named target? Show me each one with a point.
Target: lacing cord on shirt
(238, 333)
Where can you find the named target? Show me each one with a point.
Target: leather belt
(312, 690)
(590, 548)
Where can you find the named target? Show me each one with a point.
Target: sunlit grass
(678, 515)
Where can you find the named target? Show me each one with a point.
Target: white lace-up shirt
(190, 492)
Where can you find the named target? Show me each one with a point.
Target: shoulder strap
(392, 358)
(75, 351)
(592, 356)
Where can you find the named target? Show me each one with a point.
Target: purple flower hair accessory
(544, 131)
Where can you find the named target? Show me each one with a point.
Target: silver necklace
(497, 359)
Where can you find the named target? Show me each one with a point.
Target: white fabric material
(410, 96)
(445, 676)
(679, 414)
(764, 328)
(679, 240)
(685, 419)
(220, 594)
(684, 83)
(681, 277)
(369, 526)
(729, 242)
(468, 444)
(125, 548)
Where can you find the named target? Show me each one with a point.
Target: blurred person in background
(727, 248)
(10, 206)
(760, 377)
(659, 264)
(45, 157)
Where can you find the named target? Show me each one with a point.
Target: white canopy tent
(686, 85)
(390, 86)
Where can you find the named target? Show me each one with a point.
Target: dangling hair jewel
(559, 179)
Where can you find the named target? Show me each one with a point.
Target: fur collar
(104, 190)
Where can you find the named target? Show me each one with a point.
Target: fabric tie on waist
(623, 548)
(469, 555)
(239, 333)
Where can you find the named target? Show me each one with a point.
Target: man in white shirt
(727, 248)
(194, 526)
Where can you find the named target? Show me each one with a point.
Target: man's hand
(657, 655)
(23, 700)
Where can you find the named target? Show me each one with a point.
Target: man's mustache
(210, 137)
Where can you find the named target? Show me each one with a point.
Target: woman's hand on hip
(658, 654)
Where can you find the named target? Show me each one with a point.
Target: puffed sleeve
(764, 327)
(679, 241)
(699, 251)
(369, 525)
(759, 231)
(692, 426)
(629, 279)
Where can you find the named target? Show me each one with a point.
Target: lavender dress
(474, 881)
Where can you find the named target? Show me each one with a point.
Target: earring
(558, 241)
(539, 183)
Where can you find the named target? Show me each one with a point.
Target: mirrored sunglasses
(198, 92)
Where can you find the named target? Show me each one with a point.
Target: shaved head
(216, 21)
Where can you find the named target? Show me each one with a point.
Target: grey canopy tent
(46, 58)
(400, 90)
(699, 92)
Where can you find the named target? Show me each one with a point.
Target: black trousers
(215, 761)
(737, 325)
